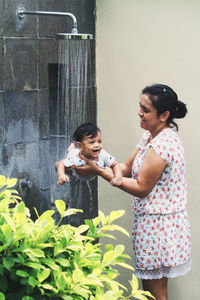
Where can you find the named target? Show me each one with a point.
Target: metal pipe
(21, 14)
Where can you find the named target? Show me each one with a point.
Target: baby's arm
(117, 179)
(60, 169)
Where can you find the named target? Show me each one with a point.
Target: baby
(88, 142)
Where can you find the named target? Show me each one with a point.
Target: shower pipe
(22, 12)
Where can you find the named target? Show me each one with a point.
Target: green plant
(41, 260)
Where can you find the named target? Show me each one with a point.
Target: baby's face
(91, 147)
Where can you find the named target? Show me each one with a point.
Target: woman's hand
(90, 169)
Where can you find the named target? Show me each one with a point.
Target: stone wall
(28, 88)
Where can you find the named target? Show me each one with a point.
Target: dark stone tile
(53, 99)
(21, 160)
(27, 160)
(2, 168)
(44, 203)
(1, 18)
(2, 118)
(49, 26)
(21, 117)
(85, 11)
(44, 165)
(1, 64)
(20, 64)
(47, 55)
(13, 25)
(43, 110)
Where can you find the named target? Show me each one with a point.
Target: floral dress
(161, 230)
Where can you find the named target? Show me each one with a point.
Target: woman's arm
(149, 174)
(126, 167)
(117, 179)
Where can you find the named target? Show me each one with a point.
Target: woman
(155, 175)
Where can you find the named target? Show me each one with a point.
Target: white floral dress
(161, 230)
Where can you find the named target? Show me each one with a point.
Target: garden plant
(43, 260)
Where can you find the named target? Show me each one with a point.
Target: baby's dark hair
(164, 98)
(85, 129)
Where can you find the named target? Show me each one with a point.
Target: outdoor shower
(73, 103)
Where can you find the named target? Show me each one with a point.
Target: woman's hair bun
(181, 110)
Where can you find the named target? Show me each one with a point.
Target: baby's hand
(116, 181)
(62, 179)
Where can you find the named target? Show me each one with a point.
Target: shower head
(21, 13)
(76, 36)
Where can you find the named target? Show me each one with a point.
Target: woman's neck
(155, 132)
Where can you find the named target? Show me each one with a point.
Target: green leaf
(11, 182)
(34, 265)
(96, 221)
(81, 229)
(35, 252)
(20, 213)
(50, 263)
(116, 214)
(124, 265)
(63, 262)
(8, 262)
(60, 282)
(47, 286)
(9, 220)
(134, 282)
(22, 273)
(65, 297)
(61, 206)
(109, 247)
(7, 231)
(43, 275)
(20, 208)
(77, 275)
(2, 296)
(71, 211)
(119, 249)
(102, 217)
(27, 298)
(108, 257)
(32, 281)
(115, 227)
(58, 249)
(2, 181)
(47, 216)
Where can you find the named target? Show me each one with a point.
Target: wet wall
(28, 93)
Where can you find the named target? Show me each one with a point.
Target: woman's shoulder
(168, 139)
(144, 139)
(170, 134)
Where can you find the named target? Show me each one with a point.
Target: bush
(41, 260)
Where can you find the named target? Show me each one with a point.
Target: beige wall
(140, 42)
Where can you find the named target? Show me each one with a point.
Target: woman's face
(149, 119)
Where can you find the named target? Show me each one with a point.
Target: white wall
(140, 42)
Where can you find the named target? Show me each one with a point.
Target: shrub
(42, 260)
